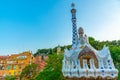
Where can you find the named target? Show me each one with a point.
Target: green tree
(52, 70)
(43, 52)
(9, 77)
(29, 72)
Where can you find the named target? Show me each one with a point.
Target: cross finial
(72, 5)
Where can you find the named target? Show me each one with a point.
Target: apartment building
(13, 64)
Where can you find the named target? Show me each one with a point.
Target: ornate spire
(74, 29)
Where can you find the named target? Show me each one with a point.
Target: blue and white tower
(74, 29)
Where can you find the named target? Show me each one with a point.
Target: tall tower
(74, 28)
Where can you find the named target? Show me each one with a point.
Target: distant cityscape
(14, 64)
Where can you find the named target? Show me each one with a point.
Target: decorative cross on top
(72, 5)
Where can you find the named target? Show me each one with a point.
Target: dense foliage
(9, 77)
(53, 68)
(43, 51)
(50, 50)
(29, 72)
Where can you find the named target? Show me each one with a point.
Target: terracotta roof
(4, 57)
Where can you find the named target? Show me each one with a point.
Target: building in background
(40, 61)
(13, 64)
(58, 49)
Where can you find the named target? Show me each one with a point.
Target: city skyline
(30, 25)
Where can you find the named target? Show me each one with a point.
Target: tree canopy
(53, 68)
(29, 72)
(9, 77)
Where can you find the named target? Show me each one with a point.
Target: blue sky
(33, 24)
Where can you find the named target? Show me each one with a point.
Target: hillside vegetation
(52, 70)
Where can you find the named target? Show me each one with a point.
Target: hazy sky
(33, 24)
